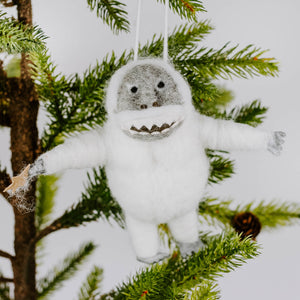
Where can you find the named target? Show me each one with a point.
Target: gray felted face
(149, 90)
(146, 86)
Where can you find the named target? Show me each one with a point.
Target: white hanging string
(166, 31)
(137, 32)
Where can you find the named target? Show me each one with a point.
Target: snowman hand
(275, 142)
(18, 181)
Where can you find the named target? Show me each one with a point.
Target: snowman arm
(228, 135)
(84, 150)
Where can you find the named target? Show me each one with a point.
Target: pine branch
(206, 290)
(6, 255)
(228, 62)
(175, 278)
(63, 271)
(252, 114)
(97, 202)
(186, 9)
(216, 212)
(90, 289)
(270, 215)
(46, 190)
(112, 13)
(220, 167)
(18, 38)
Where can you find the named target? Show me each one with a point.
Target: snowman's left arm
(228, 135)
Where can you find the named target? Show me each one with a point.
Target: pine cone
(247, 224)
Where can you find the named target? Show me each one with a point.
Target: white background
(78, 39)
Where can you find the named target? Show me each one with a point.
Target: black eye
(161, 84)
(134, 89)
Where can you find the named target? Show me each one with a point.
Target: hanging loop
(165, 56)
(137, 32)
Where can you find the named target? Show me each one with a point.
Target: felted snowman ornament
(153, 149)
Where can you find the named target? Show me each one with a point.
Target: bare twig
(4, 279)
(6, 255)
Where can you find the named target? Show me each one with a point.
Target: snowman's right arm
(84, 150)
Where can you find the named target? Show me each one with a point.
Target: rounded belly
(159, 193)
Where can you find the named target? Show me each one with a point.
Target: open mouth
(153, 123)
(154, 130)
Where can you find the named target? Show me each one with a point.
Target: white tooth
(148, 123)
(132, 132)
(143, 133)
(155, 133)
(139, 123)
(165, 130)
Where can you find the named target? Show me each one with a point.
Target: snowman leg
(145, 240)
(185, 231)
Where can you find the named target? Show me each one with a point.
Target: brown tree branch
(4, 279)
(6, 255)
(54, 226)
(6, 3)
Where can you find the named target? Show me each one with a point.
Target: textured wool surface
(155, 180)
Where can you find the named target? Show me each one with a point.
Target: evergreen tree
(75, 103)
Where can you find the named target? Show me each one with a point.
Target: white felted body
(155, 181)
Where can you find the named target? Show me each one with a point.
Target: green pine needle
(90, 288)
(112, 13)
(63, 271)
(228, 62)
(220, 167)
(206, 290)
(18, 38)
(96, 202)
(252, 114)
